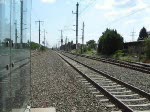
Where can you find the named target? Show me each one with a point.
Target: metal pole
(21, 24)
(77, 25)
(16, 35)
(61, 38)
(66, 44)
(39, 31)
(82, 38)
(44, 37)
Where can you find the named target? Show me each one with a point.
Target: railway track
(14, 66)
(125, 97)
(145, 68)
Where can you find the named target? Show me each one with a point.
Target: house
(136, 47)
(148, 34)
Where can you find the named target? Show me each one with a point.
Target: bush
(34, 46)
(42, 48)
(119, 53)
(84, 49)
(91, 44)
(110, 42)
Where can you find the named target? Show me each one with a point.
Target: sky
(126, 16)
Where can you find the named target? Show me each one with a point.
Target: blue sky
(123, 15)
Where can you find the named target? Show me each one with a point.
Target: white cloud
(123, 2)
(86, 2)
(111, 12)
(131, 21)
(107, 5)
(110, 4)
(48, 1)
(139, 5)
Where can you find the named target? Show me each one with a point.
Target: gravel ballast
(135, 78)
(54, 84)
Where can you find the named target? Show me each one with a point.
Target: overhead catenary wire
(87, 7)
(123, 17)
(84, 10)
(73, 19)
(81, 12)
(91, 3)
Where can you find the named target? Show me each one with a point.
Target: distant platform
(51, 109)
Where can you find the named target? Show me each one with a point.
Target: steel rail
(141, 92)
(112, 98)
(135, 89)
(139, 67)
(5, 75)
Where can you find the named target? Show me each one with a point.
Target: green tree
(143, 34)
(7, 42)
(110, 42)
(147, 48)
(34, 46)
(91, 44)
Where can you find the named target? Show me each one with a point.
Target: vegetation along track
(126, 97)
(145, 68)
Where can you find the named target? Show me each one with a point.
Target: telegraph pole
(21, 23)
(44, 37)
(61, 38)
(39, 30)
(82, 37)
(77, 26)
(77, 20)
(66, 43)
(16, 35)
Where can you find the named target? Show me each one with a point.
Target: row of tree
(108, 43)
(143, 34)
(111, 41)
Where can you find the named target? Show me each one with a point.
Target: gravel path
(54, 84)
(135, 78)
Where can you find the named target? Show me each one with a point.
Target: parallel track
(14, 66)
(126, 97)
(145, 68)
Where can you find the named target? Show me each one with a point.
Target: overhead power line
(83, 11)
(87, 6)
(118, 19)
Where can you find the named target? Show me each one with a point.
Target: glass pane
(20, 55)
(14, 55)
(5, 42)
